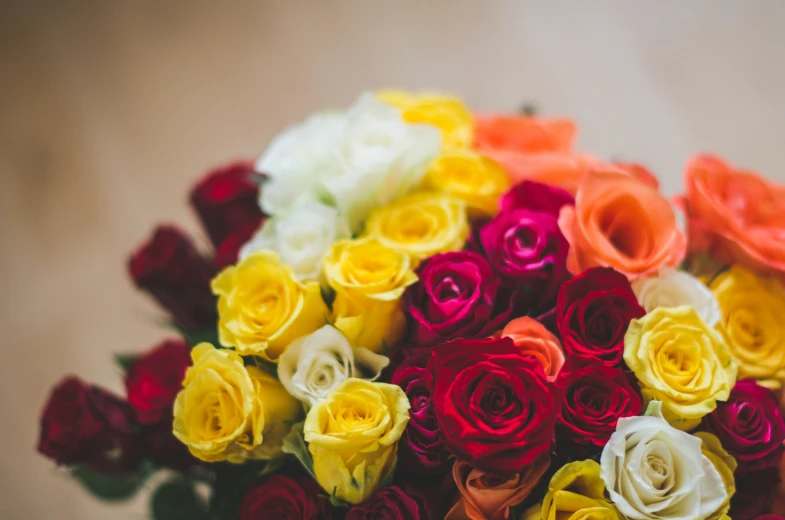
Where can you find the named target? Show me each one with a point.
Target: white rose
(312, 366)
(654, 471)
(301, 237)
(672, 288)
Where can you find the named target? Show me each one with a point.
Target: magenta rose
(750, 426)
(391, 503)
(536, 196)
(457, 296)
(285, 498)
(154, 379)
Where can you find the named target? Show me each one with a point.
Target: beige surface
(110, 110)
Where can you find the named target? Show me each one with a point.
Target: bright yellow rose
(576, 492)
(353, 437)
(471, 177)
(446, 113)
(753, 323)
(681, 362)
(725, 465)
(262, 307)
(368, 279)
(227, 411)
(420, 225)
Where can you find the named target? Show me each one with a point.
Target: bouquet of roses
(415, 312)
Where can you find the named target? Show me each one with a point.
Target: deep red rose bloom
(389, 503)
(594, 398)
(154, 378)
(226, 199)
(285, 498)
(229, 251)
(169, 268)
(593, 311)
(536, 196)
(755, 492)
(458, 296)
(750, 426)
(493, 404)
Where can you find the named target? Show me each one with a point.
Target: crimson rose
(493, 404)
(389, 503)
(155, 378)
(285, 498)
(229, 251)
(593, 311)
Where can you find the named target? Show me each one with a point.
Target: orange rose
(488, 497)
(533, 339)
(621, 222)
(524, 134)
(735, 215)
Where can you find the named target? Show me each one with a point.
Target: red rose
(755, 492)
(593, 311)
(229, 251)
(154, 378)
(285, 498)
(389, 503)
(536, 196)
(493, 404)
(594, 398)
(170, 269)
(226, 199)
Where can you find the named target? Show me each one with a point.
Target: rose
(750, 426)
(169, 268)
(725, 465)
(652, 470)
(752, 309)
(536, 196)
(595, 397)
(225, 200)
(353, 437)
(262, 307)
(421, 225)
(229, 251)
(593, 311)
(470, 177)
(457, 296)
(369, 279)
(154, 378)
(533, 339)
(486, 496)
(314, 365)
(493, 404)
(163, 448)
(680, 361)
(621, 222)
(672, 288)
(754, 494)
(285, 498)
(446, 113)
(301, 237)
(227, 411)
(734, 214)
(389, 503)
(524, 134)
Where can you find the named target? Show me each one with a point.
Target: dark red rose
(389, 503)
(750, 426)
(593, 311)
(755, 492)
(169, 268)
(226, 199)
(420, 449)
(229, 251)
(769, 517)
(536, 196)
(457, 296)
(285, 498)
(594, 398)
(493, 404)
(155, 378)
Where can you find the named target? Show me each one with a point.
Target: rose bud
(226, 199)
(154, 378)
(285, 498)
(169, 268)
(389, 503)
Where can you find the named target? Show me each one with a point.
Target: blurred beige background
(110, 110)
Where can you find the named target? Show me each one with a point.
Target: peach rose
(533, 339)
(735, 215)
(621, 222)
(488, 497)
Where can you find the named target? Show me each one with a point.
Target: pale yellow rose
(262, 307)
(229, 412)
(725, 465)
(353, 437)
(680, 361)
(471, 177)
(753, 323)
(369, 279)
(575, 492)
(421, 224)
(447, 113)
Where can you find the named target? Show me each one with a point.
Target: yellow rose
(753, 308)
(446, 113)
(575, 492)
(368, 279)
(725, 465)
(353, 437)
(471, 177)
(262, 307)
(420, 225)
(227, 411)
(681, 362)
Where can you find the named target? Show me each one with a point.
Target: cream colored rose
(672, 288)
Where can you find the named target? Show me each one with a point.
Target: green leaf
(124, 361)
(202, 336)
(177, 499)
(112, 488)
(294, 444)
(272, 466)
